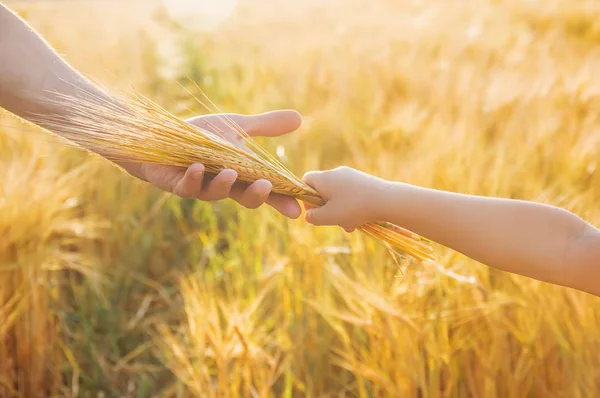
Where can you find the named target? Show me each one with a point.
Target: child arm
(534, 240)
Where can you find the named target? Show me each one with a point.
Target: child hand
(350, 196)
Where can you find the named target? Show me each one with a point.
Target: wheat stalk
(135, 129)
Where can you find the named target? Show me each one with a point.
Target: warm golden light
(199, 15)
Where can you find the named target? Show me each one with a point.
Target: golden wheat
(135, 129)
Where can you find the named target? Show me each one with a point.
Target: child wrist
(378, 201)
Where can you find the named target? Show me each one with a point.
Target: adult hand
(191, 183)
(30, 69)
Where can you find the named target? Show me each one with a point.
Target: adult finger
(253, 196)
(190, 186)
(220, 187)
(286, 205)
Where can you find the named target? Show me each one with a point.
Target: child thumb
(313, 179)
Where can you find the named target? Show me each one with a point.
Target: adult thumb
(272, 124)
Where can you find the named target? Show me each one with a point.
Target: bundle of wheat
(135, 129)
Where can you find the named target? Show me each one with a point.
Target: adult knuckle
(223, 185)
(251, 203)
(184, 194)
(220, 196)
(202, 196)
(177, 189)
(221, 191)
(209, 194)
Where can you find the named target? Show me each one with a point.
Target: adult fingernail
(268, 187)
(198, 175)
(232, 177)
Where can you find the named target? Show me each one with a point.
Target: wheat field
(111, 288)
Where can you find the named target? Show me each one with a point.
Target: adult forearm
(526, 238)
(32, 73)
(30, 70)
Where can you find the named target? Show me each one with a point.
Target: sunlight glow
(199, 15)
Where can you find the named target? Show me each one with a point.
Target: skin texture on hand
(539, 241)
(30, 69)
(193, 183)
(348, 193)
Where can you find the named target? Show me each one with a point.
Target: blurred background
(111, 288)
